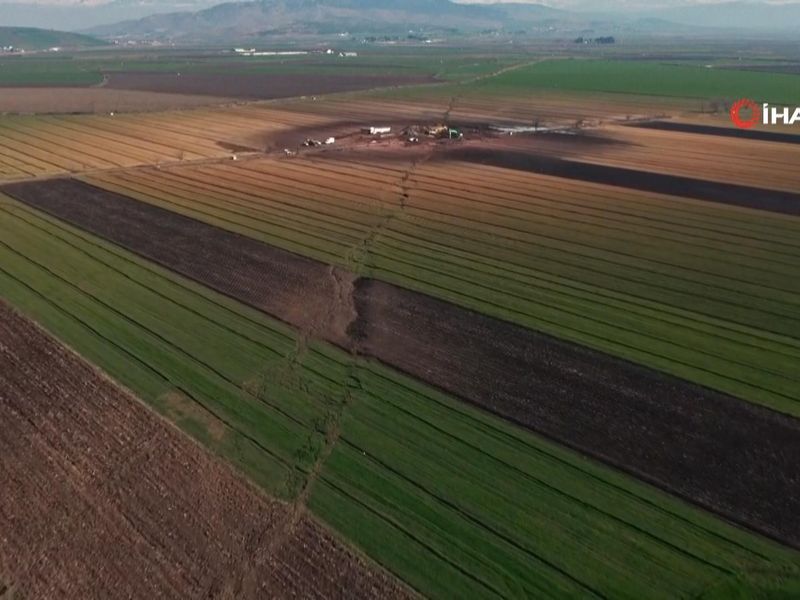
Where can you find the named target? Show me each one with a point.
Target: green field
(34, 70)
(87, 68)
(700, 290)
(456, 502)
(648, 78)
(466, 71)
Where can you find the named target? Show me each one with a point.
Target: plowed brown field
(48, 145)
(459, 105)
(102, 499)
(27, 100)
(729, 159)
(253, 85)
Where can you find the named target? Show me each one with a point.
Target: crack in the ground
(339, 321)
(357, 257)
(320, 444)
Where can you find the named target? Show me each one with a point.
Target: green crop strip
(702, 291)
(646, 78)
(454, 501)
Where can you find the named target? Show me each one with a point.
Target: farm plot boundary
(747, 134)
(400, 328)
(145, 512)
(530, 258)
(504, 500)
(776, 201)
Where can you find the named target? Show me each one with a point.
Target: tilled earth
(103, 499)
(253, 85)
(725, 454)
(717, 451)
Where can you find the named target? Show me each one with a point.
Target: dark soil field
(262, 86)
(700, 189)
(714, 450)
(101, 499)
(718, 451)
(746, 134)
(298, 290)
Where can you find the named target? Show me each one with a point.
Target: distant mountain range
(200, 20)
(734, 15)
(332, 16)
(263, 17)
(30, 39)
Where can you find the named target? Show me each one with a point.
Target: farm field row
(49, 145)
(95, 100)
(760, 164)
(585, 400)
(89, 68)
(722, 119)
(462, 105)
(543, 160)
(645, 78)
(701, 291)
(563, 91)
(251, 85)
(452, 500)
(148, 499)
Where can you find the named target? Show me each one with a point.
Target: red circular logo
(736, 111)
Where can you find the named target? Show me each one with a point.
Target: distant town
(254, 52)
(18, 50)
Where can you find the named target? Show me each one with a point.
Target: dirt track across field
(253, 86)
(720, 452)
(103, 499)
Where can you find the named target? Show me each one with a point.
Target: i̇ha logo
(739, 107)
(745, 114)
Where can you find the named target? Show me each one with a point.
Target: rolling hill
(30, 38)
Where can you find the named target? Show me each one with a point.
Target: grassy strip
(644, 78)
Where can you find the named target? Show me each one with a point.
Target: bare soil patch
(717, 451)
(103, 499)
(253, 86)
(298, 290)
(95, 100)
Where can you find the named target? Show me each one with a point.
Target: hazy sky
(582, 3)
